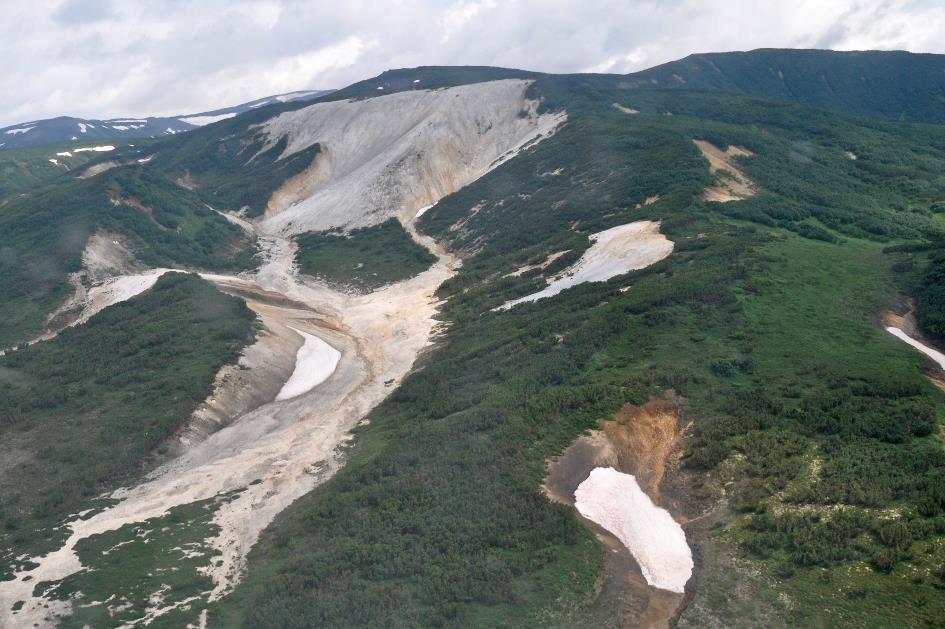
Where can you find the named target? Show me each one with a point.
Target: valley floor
(266, 456)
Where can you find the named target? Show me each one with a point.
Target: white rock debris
(383, 156)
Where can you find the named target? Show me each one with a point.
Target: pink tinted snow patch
(934, 354)
(615, 501)
(315, 361)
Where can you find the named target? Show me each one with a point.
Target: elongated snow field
(934, 354)
(615, 251)
(315, 362)
(615, 501)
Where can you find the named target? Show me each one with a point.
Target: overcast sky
(109, 58)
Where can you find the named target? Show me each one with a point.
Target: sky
(115, 58)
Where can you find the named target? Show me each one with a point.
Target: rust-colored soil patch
(643, 441)
(733, 184)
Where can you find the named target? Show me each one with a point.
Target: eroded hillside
(693, 278)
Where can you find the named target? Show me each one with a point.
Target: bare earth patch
(643, 441)
(733, 184)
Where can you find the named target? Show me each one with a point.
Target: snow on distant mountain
(66, 129)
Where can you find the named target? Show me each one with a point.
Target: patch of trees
(365, 258)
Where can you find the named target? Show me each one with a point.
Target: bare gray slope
(392, 155)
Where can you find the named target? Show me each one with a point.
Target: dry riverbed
(264, 450)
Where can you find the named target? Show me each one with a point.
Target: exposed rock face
(392, 155)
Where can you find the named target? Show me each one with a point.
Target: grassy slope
(366, 258)
(42, 235)
(892, 85)
(438, 518)
(23, 169)
(82, 412)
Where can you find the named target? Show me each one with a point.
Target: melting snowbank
(615, 501)
(934, 354)
(205, 120)
(314, 363)
(615, 251)
(117, 290)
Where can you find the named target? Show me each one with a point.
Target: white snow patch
(145, 160)
(314, 363)
(64, 154)
(423, 210)
(84, 127)
(98, 149)
(626, 110)
(285, 98)
(169, 130)
(54, 161)
(117, 290)
(18, 131)
(615, 501)
(934, 354)
(615, 251)
(202, 120)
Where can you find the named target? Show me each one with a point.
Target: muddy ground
(645, 441)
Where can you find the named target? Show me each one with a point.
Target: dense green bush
(83, 411)
(365, 258)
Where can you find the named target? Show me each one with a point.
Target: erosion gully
(242, 438)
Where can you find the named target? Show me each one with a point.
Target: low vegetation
(85, 411)
(815, 441)
(820, 424)
(24, 169)
(365, 259)
(44, 233)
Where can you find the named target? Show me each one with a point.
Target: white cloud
(141, 57)
(459, 14)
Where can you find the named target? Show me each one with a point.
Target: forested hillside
(85, 411)
(804, 196)
(763, 320)
(892, 85)
(45, 231)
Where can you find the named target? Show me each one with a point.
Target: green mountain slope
(763, 320)
(45, 231)
(83, 412)
(892, 85)
(812, 470)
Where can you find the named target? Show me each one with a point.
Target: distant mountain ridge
(889, 85)
(892, 85)
(66, 129)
